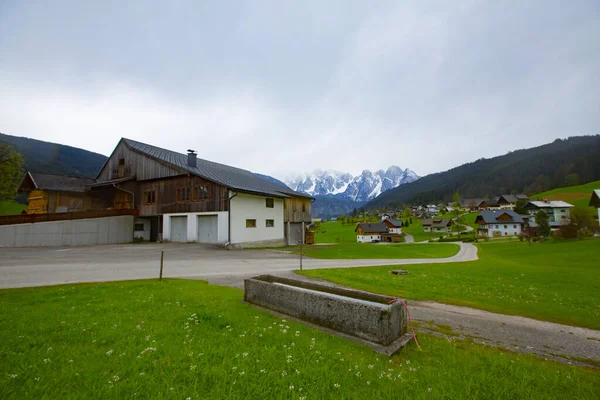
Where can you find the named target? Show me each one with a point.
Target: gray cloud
(280, 88)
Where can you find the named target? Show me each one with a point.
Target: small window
(121, 161)
(201, 192)
(149, 197)
(514, 226)
(496, 226)
(303, 207)
(138, 227)
(270, 223)
(270, 202)
(505, 226)
(250, 223)
(183, 194)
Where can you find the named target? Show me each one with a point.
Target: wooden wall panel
(166, 196)
(293, 210)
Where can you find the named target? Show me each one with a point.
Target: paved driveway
(20, 267)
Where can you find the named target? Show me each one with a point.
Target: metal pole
(301, 255)
(162, 256)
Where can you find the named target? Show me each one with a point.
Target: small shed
(595, 202)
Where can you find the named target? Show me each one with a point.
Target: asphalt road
(21, 267)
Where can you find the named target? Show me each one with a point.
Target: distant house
(437, 225)
(394, 225)
(499, 223)
(49, 193)
(509, 201)
(379, 232)
(557, 211)
(595, 201)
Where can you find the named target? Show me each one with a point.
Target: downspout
(229, 218)
(127, 191)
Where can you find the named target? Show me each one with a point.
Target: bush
(520, 236)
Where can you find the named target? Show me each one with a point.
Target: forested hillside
(53, 158)
(563, 162)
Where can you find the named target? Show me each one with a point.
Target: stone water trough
(377, 320)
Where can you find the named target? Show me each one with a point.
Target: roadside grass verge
(181, 339)
(556, 281)
(378, 251)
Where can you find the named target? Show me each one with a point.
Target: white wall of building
(192, 225)
(509, 229)
(248, 206)
(561, 214)
(395, 230)
(367, 238)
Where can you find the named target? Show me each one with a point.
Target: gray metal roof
(231, 177)
(548, 204)
(373, 228)
(395, 222)
(60, 183)
(491, 217)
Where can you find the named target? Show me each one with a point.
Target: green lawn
(416, 229)
(185, 339)
(576, 195)
(378, 251)
(556, 280)
(10, 207)
(335, 232)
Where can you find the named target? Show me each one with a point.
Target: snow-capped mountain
(363, 187)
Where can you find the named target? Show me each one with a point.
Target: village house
(595, 202)
(49, 193)
(509, 201)
(394, 225)
(437, 225)
(183, 198)
(376, 232)
(494, 223)
(558, 212)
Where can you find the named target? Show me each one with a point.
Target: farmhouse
(183, 198)
(509, 201)
(379, 232)
(57, 193)
(437, 225)
(557, 211)
(595, 201)
(394, 225)
(499, 223)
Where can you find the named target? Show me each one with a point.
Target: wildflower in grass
(245, 354)
(291, 387)
(138, 327)
(49, 349)
(47, 360)
(242, 373)
(283, 374)
(71, 361)
(171, 389)
(284, 331)
(12, 376)
(108, 353)
(262, 371)
(142, 373)
(368, 382)
(116, 378)
(429, 389)
(188, 398)
(370, 366)
(36, 379)
(336, 385)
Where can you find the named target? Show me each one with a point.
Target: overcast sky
(280, 87)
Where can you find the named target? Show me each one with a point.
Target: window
(270, 202)
(496, 226)
(514, 226)
(138, 227)
(149, 197)
(505, 226)
(250, 223)
(121, 161)
(201, 192)
(303, 207)
(270, 223)
(183, 194)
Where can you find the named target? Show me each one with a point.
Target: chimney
(191, 158)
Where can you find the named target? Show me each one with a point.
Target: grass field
(556, 280)
(188, 340)
(335, 232)
(11, 207)
(416, 230)
(379, 251)
(576, 195)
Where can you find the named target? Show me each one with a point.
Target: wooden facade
(125, 162)
(297, 209)
(48, 202)
(167, 202)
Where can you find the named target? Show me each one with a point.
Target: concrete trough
(377, 320)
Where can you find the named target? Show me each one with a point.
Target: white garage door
(207, 229)
(179, 229)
